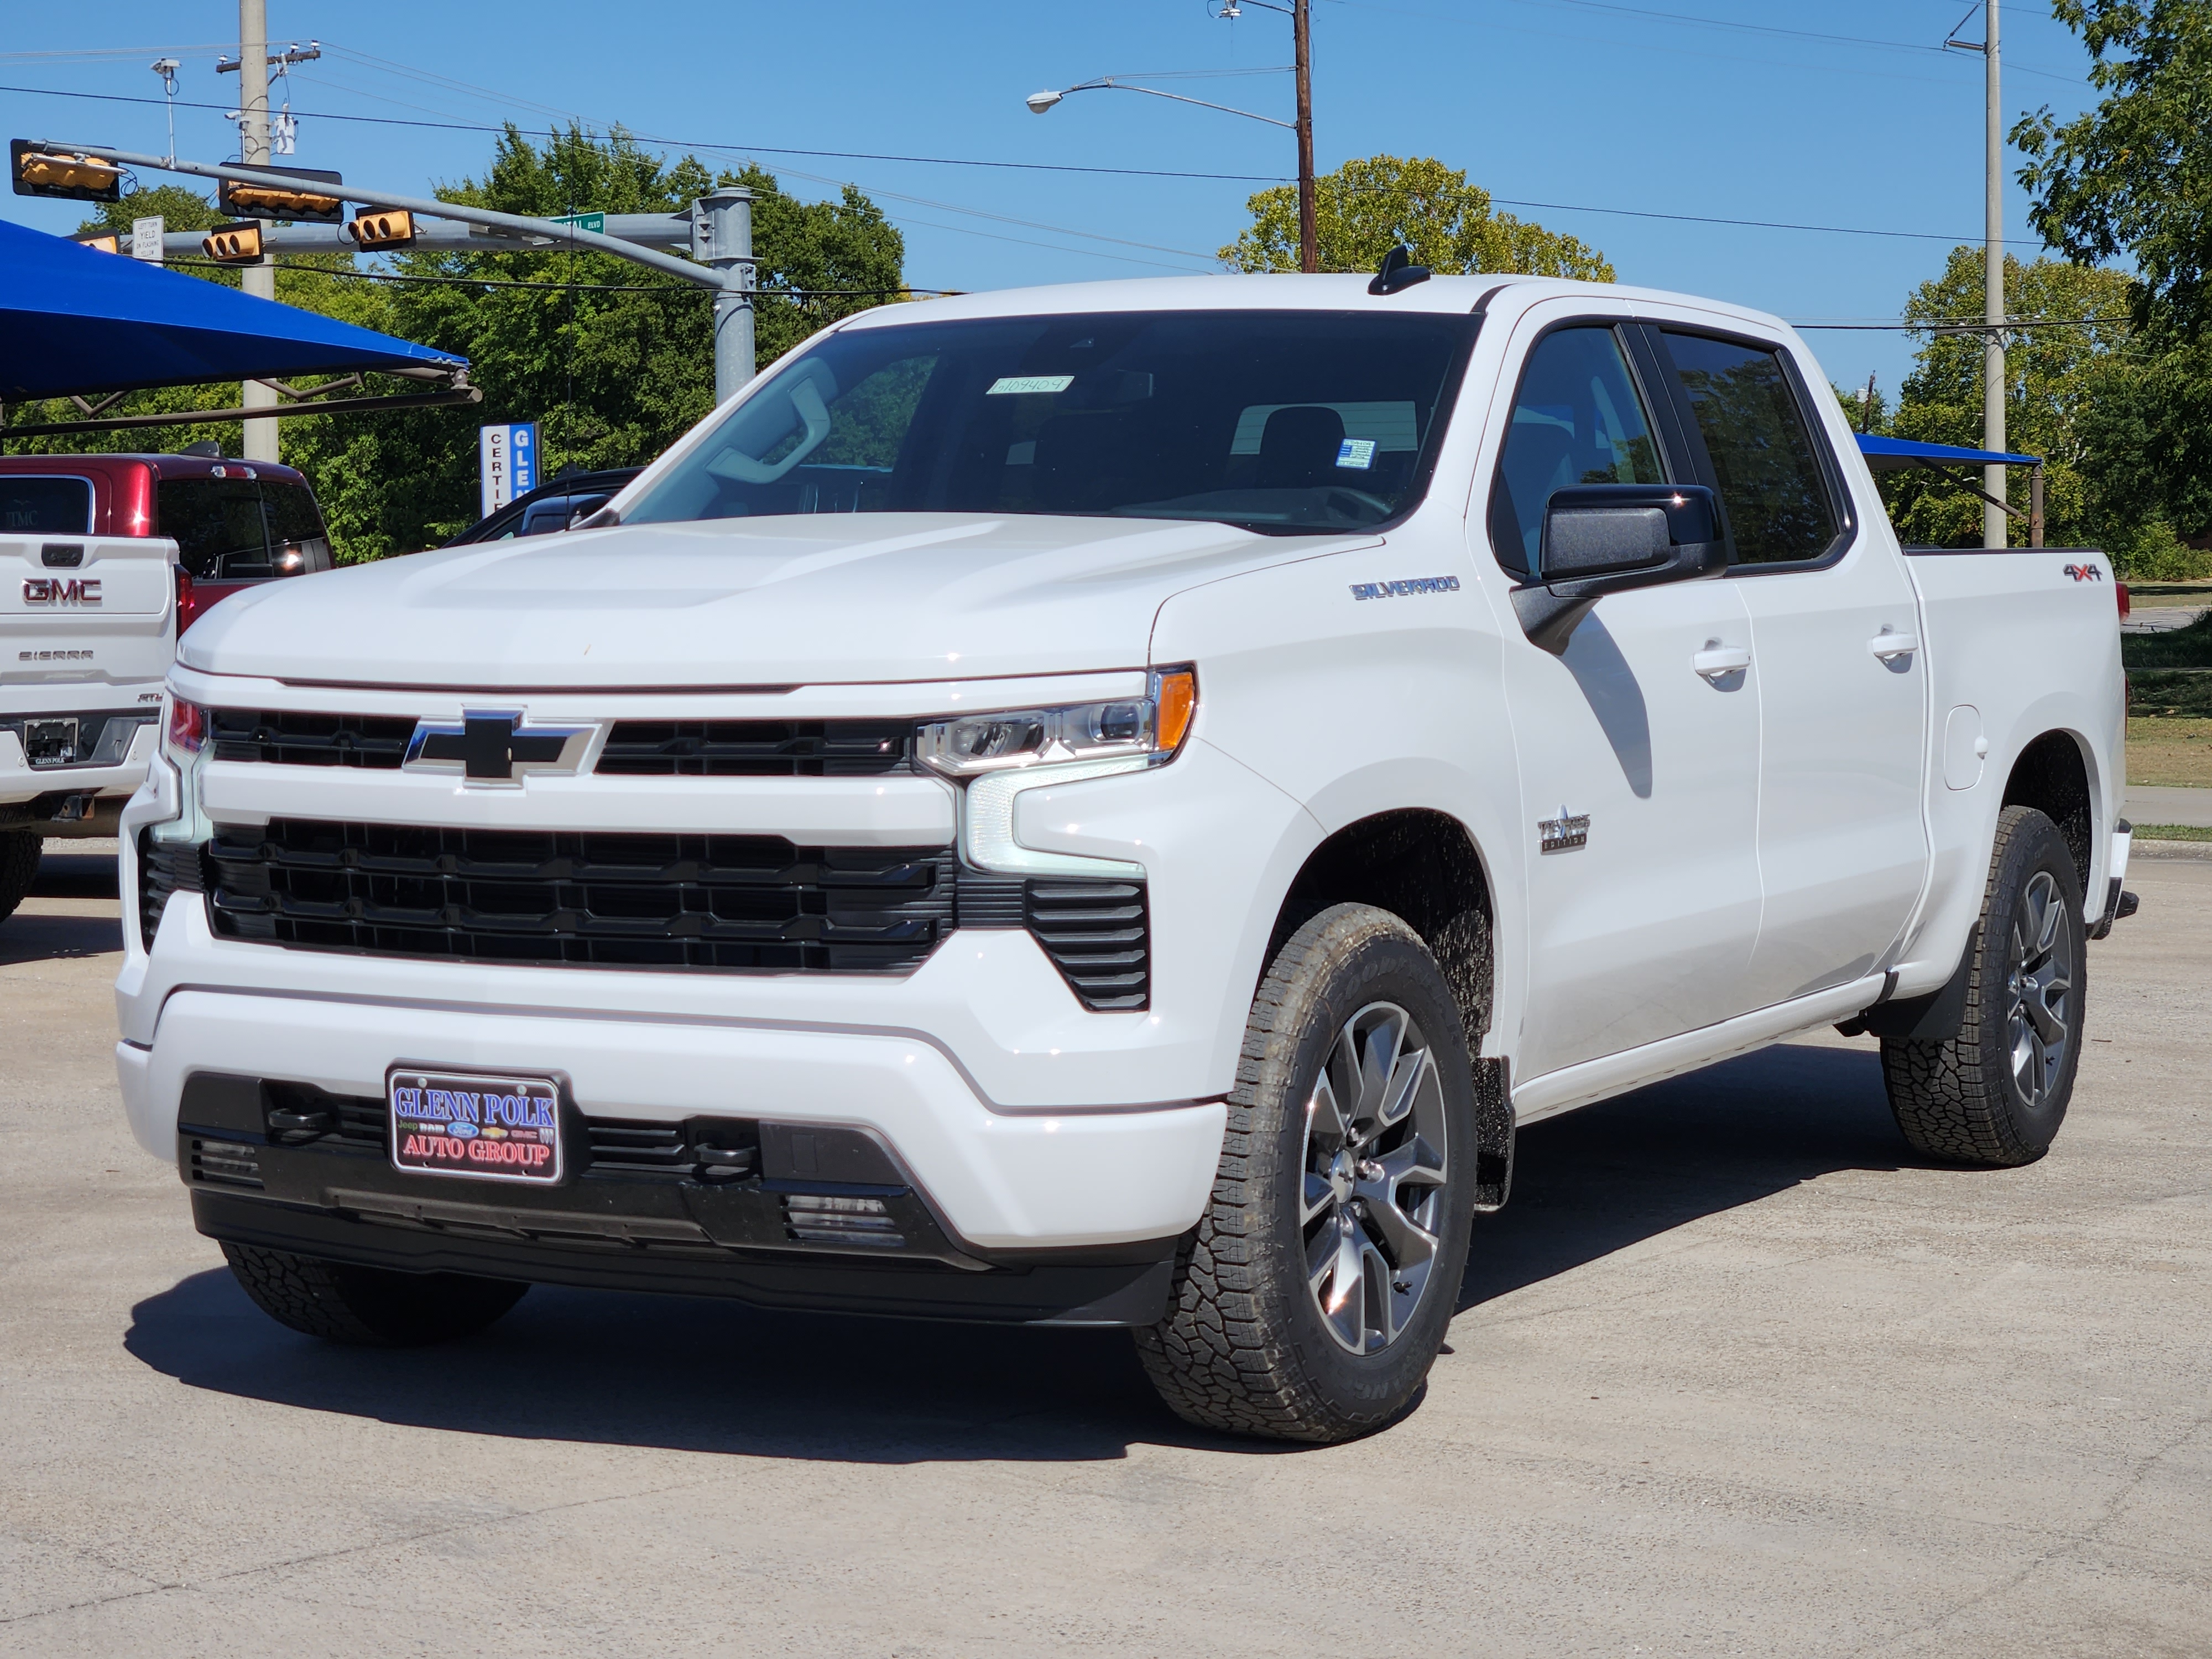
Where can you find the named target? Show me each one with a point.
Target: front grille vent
(1098, 935)
(755, 749)
(581, 897)
(164, 867)
(282, 737)
(619, 1147)
(226, 1163)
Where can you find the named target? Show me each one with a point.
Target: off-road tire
(1245, 1348)
(1959, 1100)
(19, 851)
(367, 1307)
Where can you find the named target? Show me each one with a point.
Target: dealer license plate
(476, 1124)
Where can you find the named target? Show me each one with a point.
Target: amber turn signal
(1176, 693)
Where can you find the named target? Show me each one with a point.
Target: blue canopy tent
(1905, 455)
(77, 322)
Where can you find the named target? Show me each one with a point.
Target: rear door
(77, 608)
(1843, 846)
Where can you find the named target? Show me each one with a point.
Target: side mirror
(1606, 538)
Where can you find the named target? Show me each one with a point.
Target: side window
(1577, 420)
(217, 524)
(46, 507)
(296, 536)
(1764, 463)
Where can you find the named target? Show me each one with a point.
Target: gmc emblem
(59, 590)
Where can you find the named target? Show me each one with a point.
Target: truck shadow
(43, 936)
(706, 1375)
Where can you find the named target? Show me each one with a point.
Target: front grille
(1098, 935)
(282, 737)
(164, 867)
(581, 897)
(226, 1163)
(755, 749)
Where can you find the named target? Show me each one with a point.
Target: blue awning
(1897, 454)
(74, 319)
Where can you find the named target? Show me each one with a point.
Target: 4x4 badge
(494, 746)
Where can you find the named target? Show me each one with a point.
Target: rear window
(46, 507)
(238, 530)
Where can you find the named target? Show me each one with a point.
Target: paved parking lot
(1734, 1375)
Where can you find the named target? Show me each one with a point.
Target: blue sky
(1693, 107)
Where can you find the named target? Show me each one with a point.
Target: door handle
(1717, 661)
(1888, 645)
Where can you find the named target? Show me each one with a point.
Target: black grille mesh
(755, 749)
(282, 737)
(582, 898)
(164, 867)
(1098, 935)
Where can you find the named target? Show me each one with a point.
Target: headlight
(1152, 727)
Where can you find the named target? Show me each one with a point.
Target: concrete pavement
(2148, 804)
(1735, 1376)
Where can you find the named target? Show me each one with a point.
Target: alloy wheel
(1374, 1175)
(2040, 990)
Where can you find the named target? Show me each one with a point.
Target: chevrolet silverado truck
(1109, 805)
(103, 561)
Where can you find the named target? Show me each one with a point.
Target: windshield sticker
(1016, 385)
(1356, 452)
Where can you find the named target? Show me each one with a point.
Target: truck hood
(786, 601)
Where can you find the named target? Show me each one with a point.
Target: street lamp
(1302, 37)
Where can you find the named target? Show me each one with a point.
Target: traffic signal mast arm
(661, 230)
(545, 232)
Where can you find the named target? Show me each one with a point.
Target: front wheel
(367, 1307)
(1994, 1094)
(1313, 1297)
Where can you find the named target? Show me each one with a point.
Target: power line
(604, 288)
(1974, 323)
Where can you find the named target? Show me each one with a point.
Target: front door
(1643, 919)
(1842, 846)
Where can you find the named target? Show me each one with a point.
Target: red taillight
(187, 728)
(189, 604)
(2120, 591)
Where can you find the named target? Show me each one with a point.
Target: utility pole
(259, 279)
(1302, 40)
(1994, 530)
(722, 236)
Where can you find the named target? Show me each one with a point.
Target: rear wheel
(367, 1307)
(1994, 1094)
(1313, 1297)
(19, 851)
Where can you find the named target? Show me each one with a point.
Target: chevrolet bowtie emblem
(495, 747)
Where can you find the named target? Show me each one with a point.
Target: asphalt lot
(1735, 1374)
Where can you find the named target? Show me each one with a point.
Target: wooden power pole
(1302, 37)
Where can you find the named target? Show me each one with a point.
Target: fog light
(830, 1218)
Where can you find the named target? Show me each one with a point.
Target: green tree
(2132, 179)
(1366, 207)
(2053, 377)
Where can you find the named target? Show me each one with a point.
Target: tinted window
(1764, 462)
(1282, 422)
(46, 507)
(1577, 420)
(217, 524)
(296, 536)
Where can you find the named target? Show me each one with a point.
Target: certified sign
(506, 461)
(494, 1128)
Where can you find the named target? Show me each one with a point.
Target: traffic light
(233, 245)
(300, 204)
(107, 243)
(384, 228)
(46, 170)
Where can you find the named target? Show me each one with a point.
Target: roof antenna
(1397, 271)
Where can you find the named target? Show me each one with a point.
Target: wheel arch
(2052, 775)
(1426, 867)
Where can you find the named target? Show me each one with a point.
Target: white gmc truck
(1109, 805)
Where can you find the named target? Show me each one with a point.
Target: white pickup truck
(1109, 805)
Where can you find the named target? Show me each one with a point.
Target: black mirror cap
(1608, 538)
(1397, 271)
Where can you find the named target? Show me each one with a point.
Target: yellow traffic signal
(233, 245)
(384, 228)
(107, 243)
(297, 203)
(44, 170)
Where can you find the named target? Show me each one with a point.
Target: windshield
(1285, 421)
